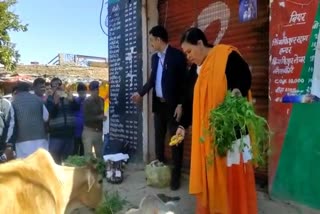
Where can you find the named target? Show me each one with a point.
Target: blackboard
(125, 75)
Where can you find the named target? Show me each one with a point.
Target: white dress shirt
(161, 55)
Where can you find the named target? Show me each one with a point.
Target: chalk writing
(125, 74)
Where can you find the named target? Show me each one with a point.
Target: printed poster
(247, 10)
(294, 91)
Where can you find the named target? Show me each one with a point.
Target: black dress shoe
(166, 198)
(175, 183)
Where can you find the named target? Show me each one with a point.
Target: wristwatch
(3, 158)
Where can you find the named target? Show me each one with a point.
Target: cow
(37, 185)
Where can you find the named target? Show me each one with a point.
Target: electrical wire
(166, 14)
(100, 21)
(300, 4)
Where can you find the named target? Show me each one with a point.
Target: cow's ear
(91, 179)
(91, 166)
(92, 163)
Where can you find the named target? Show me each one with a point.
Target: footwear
(175, 179)
(175, 183)
(166, 198)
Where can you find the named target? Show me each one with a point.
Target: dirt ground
(134, 188)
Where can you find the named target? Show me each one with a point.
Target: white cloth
(26, 148)
(45, 114)
(198, 69)
(116, 157)
(106, 123)
(159, 72)
(233, 155)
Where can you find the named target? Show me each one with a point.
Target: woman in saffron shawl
(227, 185)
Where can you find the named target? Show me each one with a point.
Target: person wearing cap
(93, 121)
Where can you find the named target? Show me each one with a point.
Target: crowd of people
(52, 117)
(186, 85)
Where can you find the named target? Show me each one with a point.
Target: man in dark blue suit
(167, 80)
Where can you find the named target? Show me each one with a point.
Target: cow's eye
(100, 181)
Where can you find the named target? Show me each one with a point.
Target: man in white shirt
(167, 79)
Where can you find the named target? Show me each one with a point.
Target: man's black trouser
(165, 122)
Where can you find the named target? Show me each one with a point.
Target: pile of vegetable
(79, 161)
(111, 204)
(234, 115)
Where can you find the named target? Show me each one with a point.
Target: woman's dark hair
(193, 35)
(160, 32)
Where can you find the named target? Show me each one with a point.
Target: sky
(60, 26)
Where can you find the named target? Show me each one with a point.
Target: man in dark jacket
(61, 108)
(167, 81)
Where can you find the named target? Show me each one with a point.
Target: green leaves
(80, 161)
(202, 139)
(9, 21)
(236, 115)
(75, 160)
(112, 203)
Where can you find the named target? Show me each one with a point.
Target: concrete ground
(134, 188)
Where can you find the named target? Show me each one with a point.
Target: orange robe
(218, 189)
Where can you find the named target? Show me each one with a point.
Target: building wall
(70, 71)
(221, 22)
(294, 68)
(152, 20)
(295, 146)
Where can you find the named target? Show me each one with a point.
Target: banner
(294, 101)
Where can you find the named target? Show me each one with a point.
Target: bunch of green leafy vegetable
(112, 203)
(80, 161)
(77, 161)
(234, 115)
